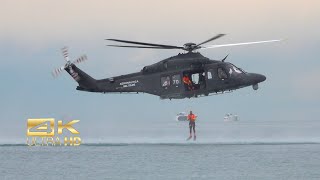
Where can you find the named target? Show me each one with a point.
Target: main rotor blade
(146, 44)
(211, 39)
(239, 44)
(148, 47)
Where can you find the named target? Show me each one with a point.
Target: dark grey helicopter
(185, 75)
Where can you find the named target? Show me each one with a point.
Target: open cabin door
(194, 80)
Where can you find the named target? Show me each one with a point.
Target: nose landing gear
(255, 87)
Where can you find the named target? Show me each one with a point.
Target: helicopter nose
(257, 78)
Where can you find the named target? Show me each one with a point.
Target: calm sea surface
(162, 161)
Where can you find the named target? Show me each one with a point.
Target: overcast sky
(32, 33)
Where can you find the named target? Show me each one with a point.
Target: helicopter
(186, 75)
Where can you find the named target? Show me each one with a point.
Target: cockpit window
(236, 69)
(222, 74)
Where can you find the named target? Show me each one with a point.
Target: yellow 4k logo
(46, 127)
(44, 130)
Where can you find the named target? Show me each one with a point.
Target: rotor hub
(190, 47)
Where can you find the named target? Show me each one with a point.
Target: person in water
(192, 125)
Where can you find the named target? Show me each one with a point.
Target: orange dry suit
(192, 117)
(186, 80)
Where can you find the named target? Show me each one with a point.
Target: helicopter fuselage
(166, 78)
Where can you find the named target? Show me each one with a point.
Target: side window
(165, 81)
(176, 79)
(210, 74)
(222, 74)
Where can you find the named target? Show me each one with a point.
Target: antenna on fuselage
(225, 58)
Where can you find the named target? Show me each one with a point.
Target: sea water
(187, 160)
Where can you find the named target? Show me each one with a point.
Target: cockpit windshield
(236, 69)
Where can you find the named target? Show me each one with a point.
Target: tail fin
(85, 81)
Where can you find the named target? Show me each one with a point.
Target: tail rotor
(65, 53)
(68, 64)
(80, 59)
(57, 71)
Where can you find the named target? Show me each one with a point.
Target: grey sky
(32, 33)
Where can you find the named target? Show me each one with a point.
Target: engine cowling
(255, 87)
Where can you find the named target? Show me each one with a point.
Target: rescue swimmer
(192, 125)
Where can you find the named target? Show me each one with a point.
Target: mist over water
(214, 131)
(208, 132)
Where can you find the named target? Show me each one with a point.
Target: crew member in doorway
(202, 79)
(192, 125)
(186, 80)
